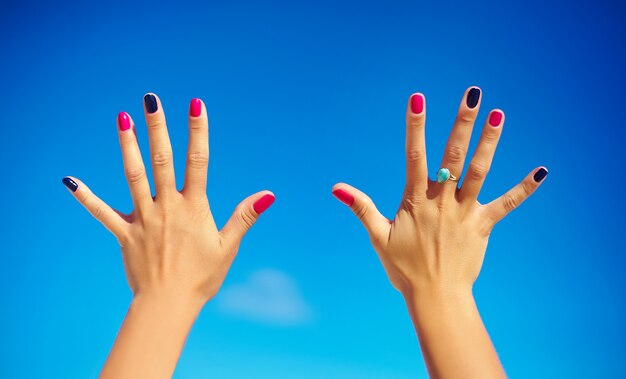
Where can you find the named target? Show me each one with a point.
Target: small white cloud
(269, 296)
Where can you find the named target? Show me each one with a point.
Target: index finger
(416, 165)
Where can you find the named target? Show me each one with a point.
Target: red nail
(123, 121)
(195, 108)
(344, 197)
(496, 118)
(263, 203)
(417, 103)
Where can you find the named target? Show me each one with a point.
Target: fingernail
(540, 174)
(495, 118)
(195, 108)
(417, 103)
(69, 183)
(123, 121)
(151, 103)
(263, 203)
(472, 97)
(344, 197)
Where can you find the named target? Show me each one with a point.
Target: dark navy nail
(151, 103)
(472, 97)
(540, 174)
(69, 183)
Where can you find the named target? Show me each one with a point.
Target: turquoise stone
(442, 175)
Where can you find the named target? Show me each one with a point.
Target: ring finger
(483, 156)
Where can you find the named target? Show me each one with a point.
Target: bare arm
(454, 341)
(152, 337)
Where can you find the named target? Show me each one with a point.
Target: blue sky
(300, 96)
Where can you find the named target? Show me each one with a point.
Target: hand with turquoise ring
(434, 247)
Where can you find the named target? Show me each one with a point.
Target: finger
(503, 205)
(375, 223)
(483, 156)
(110, 218)
(133, 163)
(416, 164)
(245, 215)
(198, 150)
(458, 142)
(160, 147)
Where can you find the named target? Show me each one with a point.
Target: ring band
(444, 175)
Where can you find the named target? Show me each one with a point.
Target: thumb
(375, 223)
(245, 215)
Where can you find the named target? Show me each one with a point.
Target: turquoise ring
(443, 175)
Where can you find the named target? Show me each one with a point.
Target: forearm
(152, 337)
(454, 341)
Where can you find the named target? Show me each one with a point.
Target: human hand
(439, 235)
(170, 243)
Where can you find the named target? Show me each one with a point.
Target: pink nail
(344, 197)
(495, 119)
(417, 103)
(195, 108)
(263, 203)
(123, 121)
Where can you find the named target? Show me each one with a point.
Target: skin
(433, 249)
(174, 256)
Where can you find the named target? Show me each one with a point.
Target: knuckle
(411, 202)
(198, 159)
(528, 187)
(98, 212)
(361, 211)
(245, 218)
(127, 139)
(135, 174)
(491, 135)
(477, 170)
(198, 125)
(465, 117)
(441, 207)
(455, 154)
(415, 155)
(156, 123)
(416, 122)
(83, 196)
(510, 202)
(162, 158)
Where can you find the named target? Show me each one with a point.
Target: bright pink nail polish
(195, 108)
(123, 121)
(417, 103)
(496, 118)
(344, 197)
(263, 203)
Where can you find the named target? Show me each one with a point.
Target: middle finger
(160, 147)
(458, 142)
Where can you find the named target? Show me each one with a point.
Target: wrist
(180, 303)
(423, 296)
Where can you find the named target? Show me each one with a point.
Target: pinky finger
(111, 219)
(503, 205)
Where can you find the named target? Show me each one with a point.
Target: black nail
(472, 97)
(151, 103)
(69, 183)
(540, 174)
